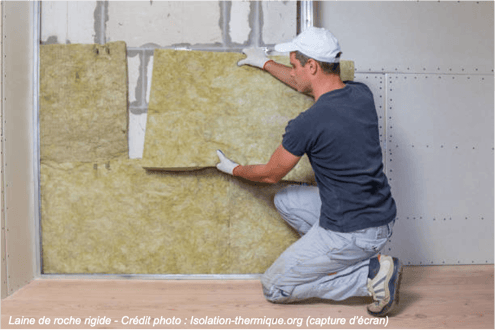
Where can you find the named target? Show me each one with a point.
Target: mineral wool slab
(115, 217)
(83, 102)
(203, 101)
(258, 235)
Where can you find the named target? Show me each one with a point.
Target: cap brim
(286, 47)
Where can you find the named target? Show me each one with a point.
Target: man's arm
(256, 57)
(281, 72)
(280, 163)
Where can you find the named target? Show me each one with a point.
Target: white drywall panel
(376, 83)
(18, 99)
(68, 21)
(2, 215)
(279, 21)
(440, 167)
(4, 256)
(164, 23)
(413, 36)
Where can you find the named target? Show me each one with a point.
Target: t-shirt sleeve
(296, 137)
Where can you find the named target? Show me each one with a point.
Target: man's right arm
(256, 57)
(281, 72)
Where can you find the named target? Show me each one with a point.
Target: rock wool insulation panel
(115, 217)
(203, 101)
(103, 213)
(83, 102)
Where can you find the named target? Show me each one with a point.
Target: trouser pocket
(371, 246)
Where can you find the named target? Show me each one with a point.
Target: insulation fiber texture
(203, 101)
(115, 217)
(83, 102)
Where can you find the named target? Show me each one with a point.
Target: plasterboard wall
(19, 189)
(2, 247)
(431, 64)
(445, 37)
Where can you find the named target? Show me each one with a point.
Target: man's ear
(313, 66)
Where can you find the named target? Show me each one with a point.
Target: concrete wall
(146, 25)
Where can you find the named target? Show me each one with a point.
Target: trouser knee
(279, 201)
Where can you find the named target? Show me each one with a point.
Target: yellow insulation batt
(83, 102)
(203, 101)
(115, 217)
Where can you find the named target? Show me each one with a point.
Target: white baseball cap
(317, 43)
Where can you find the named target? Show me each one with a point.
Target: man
(348, 218)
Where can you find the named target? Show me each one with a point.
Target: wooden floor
(431, 297)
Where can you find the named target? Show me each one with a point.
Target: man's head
(330, 68)
(315, 58)
(316, 43)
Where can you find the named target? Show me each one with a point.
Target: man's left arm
(280, 163)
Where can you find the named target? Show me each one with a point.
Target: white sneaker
(385, 286)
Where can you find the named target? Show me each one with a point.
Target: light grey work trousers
(322, 263)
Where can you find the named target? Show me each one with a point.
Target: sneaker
(385, 286)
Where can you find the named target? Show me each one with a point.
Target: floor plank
(431, 297)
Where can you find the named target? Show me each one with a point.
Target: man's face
(300, 74)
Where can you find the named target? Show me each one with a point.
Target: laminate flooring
(430, 297)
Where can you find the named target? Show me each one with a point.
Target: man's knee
(298, 197)
(280, 201)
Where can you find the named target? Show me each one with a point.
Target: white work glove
(225, 165)
(255, 57)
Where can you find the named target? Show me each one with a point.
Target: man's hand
(255, 57)
(225, 165)
(280, 163)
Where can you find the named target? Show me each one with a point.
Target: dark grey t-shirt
(339, 133)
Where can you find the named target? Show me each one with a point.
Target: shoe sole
(396, 279)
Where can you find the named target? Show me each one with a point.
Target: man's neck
(325, 84)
